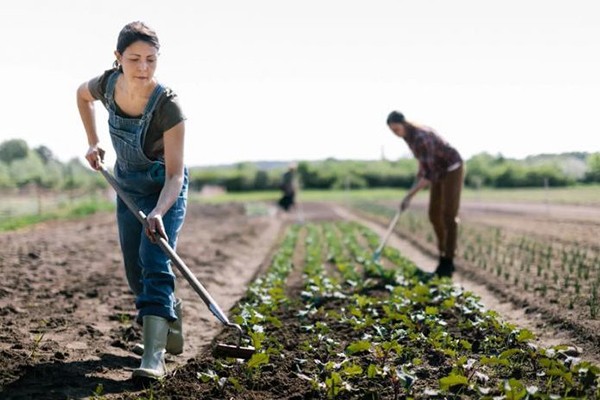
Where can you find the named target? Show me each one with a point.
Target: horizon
(272, 80)
(284, 161)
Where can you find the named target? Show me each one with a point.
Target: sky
(311, 79)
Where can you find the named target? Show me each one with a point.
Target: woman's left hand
(155, 226)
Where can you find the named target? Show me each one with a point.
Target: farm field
(588, 195)
(328, 322)
(542, 257)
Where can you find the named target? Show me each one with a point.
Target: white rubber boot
(174, 338)
(155, 341)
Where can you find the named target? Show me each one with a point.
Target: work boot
(445, 268)
(174, 337)
(155, 340)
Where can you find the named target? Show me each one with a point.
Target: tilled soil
(66, 313)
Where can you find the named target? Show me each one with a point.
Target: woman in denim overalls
(157, 186)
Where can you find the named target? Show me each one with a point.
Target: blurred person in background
(289, 187)
(441, 168)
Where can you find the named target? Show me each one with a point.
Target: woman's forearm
(420, 184)
(169, 193)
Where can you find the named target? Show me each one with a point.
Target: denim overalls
(148, 269)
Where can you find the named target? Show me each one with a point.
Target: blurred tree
(593, 168)
(45, 154)
(13, 149)
(77, 175)
(5, 181)
(27, 170)
(261, 180)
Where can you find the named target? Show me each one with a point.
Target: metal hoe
(386, 237)
(221, 350)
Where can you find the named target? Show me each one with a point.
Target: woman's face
(139, 62)
(398, 129)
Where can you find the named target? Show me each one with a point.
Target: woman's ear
(118, 57)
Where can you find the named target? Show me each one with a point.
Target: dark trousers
(287, 201)
(444, 203)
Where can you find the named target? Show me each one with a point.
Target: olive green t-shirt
(166, 115)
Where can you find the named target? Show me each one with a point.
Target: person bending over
(441, 168)
(146, 127)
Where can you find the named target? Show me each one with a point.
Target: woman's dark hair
(396, 117)
(133, 32)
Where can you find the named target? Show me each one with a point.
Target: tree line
(482, 170)
(21, 166)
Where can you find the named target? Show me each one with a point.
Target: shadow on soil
(71, 380)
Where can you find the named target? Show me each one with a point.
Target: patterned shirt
(434, 154)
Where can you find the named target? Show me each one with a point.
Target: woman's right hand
(95, 156)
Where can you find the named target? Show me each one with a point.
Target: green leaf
(508, 353)
(449, 303)
(236, 384)
(494, 361)
(371, 371)
(352, 370)
(453, 380)
(207, 376)
(356, 312)
(525, 335)
(274, 321)
(514, 389)
(357, 347)
(465, 345)
(333, 384)
(257, 360)
(449, 352)
(257, 338)
(431, 310)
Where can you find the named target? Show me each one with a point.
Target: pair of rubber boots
(160, 337)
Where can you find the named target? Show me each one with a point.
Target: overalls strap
(110, 94)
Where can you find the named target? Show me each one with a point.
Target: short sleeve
(169, 112)
(97, 86)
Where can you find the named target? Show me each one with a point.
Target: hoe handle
(387, 235)
(166, 247)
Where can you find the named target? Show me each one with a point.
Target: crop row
(565, 273)
(328, 322)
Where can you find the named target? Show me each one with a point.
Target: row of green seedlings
(388, 334)
(556, 267)
(332, 303)
(264, 297)
(351, 362)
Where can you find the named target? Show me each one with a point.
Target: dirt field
(66, 312)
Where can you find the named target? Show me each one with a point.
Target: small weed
(37, 340)
(594, 302)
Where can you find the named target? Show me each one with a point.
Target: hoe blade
(226, 350)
